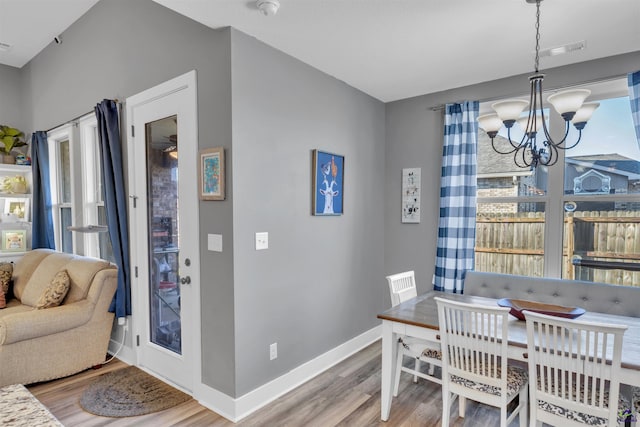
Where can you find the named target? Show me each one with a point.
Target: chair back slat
(402, 287)
(577, 364)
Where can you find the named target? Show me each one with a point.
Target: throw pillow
(56, 291)
(6, 271)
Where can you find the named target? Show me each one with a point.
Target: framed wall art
(411, 195)
(328, 183)
(211, 171)
(17, 206)
(14, 240)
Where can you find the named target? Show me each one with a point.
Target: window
(522, 214)
(601, 203)
(76, 187)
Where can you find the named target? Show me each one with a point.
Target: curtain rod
(75, 119)
(602, 80)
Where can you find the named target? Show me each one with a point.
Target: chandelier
(534, 149)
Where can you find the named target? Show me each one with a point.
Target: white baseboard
(237, 409)
(124, 352)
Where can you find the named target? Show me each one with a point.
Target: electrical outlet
(273, 351)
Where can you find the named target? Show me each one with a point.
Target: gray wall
(414, 139)
(321, 281)
(122, 47)
(11, 107)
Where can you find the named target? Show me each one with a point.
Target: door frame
(186, 82)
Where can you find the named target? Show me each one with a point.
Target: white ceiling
(30, 25)
(390, 49)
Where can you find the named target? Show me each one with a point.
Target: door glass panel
(163, 227)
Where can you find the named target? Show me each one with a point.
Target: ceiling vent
(4, 47)
(561, 50)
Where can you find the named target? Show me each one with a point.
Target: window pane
(510, 238)
(65, 172)
(65, 221)
(106, 251)
(599, 238)
(607, 159)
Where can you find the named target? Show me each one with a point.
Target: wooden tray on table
(517, 307)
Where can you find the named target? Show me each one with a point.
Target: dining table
(418, 317)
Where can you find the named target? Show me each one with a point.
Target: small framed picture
(328, 183)
(211, 171)
(17, 206)
(14, 240)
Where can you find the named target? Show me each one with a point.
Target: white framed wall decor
(411, 195)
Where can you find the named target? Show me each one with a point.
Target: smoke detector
(268, 7)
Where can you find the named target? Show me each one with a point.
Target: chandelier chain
(537, 36)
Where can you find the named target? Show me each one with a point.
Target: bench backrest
(598, 297)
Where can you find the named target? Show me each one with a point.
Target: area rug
(129, 392)
(19, 408)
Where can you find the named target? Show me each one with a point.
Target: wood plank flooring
(346, 395)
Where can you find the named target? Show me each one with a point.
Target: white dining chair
(474, 360)
(577, 366)
(402, 287)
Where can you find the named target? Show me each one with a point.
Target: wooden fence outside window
(600, 241)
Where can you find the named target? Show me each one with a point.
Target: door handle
(185, 280)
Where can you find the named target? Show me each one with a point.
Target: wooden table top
(423, 312)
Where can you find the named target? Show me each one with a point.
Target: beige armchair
(43, 344)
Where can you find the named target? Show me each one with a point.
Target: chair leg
(524, 406)
(446, 407)
(503, 416)
(417, 368)
(462, 406)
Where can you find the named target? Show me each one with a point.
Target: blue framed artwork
(328, 183)
(211, 182)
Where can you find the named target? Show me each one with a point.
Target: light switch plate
(214, 242)
(262, 241)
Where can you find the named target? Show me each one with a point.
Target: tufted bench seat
(598, 297)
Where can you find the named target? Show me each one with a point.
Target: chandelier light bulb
(509, 110)
(567, 102)
(491, 124)
(534, 125)
(584, 114)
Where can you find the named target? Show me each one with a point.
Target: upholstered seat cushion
(581, 417)
(419, 348)
(516, 379)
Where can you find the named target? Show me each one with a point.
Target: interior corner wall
(120, 48)
(414, 139)
(11, 107)
(320, 283)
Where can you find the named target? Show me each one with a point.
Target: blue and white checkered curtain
(457, 225)
(634, 97)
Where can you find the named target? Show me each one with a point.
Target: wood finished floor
(346, 395)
